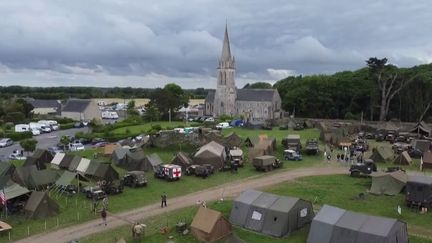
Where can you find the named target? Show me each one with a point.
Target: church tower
(226, 92)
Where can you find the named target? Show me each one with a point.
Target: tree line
(379, 91)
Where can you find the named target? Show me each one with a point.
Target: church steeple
(226, 50)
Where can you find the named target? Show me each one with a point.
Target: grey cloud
(136, 42)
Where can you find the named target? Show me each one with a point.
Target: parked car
(100, 144)
(93, 192)
(55, 149)
(113, 187)
(76, 146)
(6, 142)
(290, 154)
(17, 157)
(209, 119)
(135, 179)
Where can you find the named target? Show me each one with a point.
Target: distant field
(337, 190)
(143, 128)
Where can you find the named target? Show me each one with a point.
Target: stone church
(255, 105)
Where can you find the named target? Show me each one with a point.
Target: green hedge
(67, 125)
(17, 136)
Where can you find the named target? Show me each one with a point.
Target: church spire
(226, 51)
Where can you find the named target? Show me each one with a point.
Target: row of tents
(279, 216)
(135, 159)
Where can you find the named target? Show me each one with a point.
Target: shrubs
(65, 120)
(17, 136)
(64, 126)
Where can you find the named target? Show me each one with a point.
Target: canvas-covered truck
(419, 191)
(236, 156)
(266, 163)
(168, 172)
(365, 168)
(292, 141)
(312, 147)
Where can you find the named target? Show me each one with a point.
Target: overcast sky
(150, 43)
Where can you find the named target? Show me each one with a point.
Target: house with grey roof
(81, 110)
(45, 107)
(256, 105)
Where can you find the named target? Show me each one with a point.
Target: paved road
(45, 140)
(226, 190)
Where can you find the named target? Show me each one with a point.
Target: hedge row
(67, 125)
(17, 136)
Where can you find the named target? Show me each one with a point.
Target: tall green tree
(131, 111)
(258, 85)
(151, 112)
(169, 99)
(28, 145)
(64, 140)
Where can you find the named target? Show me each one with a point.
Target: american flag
(2, 197)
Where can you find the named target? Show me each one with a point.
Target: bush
(17, 136)
(156, 127)
(2, 133)
(14, 117)
(87, 136)
(350, 116)
(9, 126)
(65, 120)
(67, 125)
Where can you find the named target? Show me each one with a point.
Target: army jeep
(365, 168)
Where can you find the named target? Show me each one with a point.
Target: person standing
(104, 215)
(163, 200)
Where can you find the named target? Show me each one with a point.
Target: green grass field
(143, 128)
(336, 190)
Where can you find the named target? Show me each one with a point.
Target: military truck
(312, 147)
(298, 126)
(419, 191)
(134, 179)
(93, 192)
(292, 141)
(290, 154)
(200, 170)
(365, 168)
(266, 163)
(112, 187)
(236, 156)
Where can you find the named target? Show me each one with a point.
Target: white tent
(55, 162)
(83, 165)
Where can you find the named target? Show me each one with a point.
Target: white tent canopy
(83, 165)
(57, 159)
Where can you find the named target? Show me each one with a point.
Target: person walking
(163, 200)
(104, 215)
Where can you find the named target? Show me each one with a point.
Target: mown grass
(143, 128)
(336, 190)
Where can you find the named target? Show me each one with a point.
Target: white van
(223, 125)
(22, 128)
(40, 126)
(50, 123)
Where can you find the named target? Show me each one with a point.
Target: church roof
(210, 96)
(255, 94)
(226, 50)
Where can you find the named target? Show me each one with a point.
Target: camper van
(50, 123)
(42, 127)
(22, 128)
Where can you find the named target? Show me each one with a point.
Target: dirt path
(215, 193)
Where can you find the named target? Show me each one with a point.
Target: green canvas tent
(251, 141)
(118, 155)
(74, 163)
(6, 169)
(382, 154)
(336, 225)
(55, 162)
(181, 159)
(403, 159)
(106, 172)
(270, 214)
(66, 161)
(40, 206)
(41, 178)
(40, 158)
(421, 128)
(13, 190)
(92, 167)
(66, 178)
(152, 161)
(233, 140)
(388, 183)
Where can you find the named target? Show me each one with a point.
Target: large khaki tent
(270, 214)
(388, 183)
(382, 154)
(106, 172)
(421, 128)
(118, 155)
(40, 206)
(403, 159)
(31, 177)
(335, 225)
(74, 163)
(211, 153)
(151, 162)
(209, 225)
(40, 158)
(181, 159)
